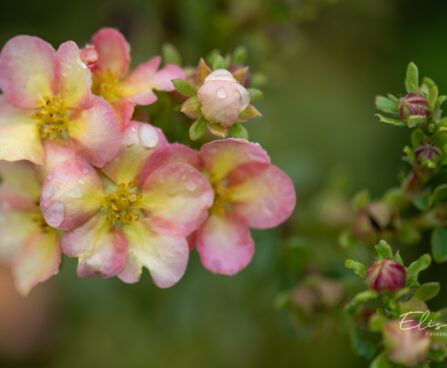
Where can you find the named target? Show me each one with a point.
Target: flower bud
(386, 275)
(427, 151)
(222, 98)
(405, 343)
(412, 104)
(89, 56)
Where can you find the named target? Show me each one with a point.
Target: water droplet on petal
(148, 136)
(80, 181)
(76, 192)
(270, 204)
(85, 170)
(216, 264)
(221, 93)
(47, 192)
(191, 186)
(54, 214)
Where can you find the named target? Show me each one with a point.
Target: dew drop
(76, 192)
(85, 171)
(80, 181)
(270, 204)
(221, 93)
(54, 214)
(47, 192)
(191, 186)
(148, 136)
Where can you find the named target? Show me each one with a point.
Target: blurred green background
(325, 61)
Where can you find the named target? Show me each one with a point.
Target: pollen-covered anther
(122, 205)
(221, 194)
(106, 84)
(52, 116)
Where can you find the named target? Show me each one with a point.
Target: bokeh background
(324, 60)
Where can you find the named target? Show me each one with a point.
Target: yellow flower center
(221, 197)
(52, 116)
(106, 84)
(121, 206)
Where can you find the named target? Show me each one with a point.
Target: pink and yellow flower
(109, 57)
(117, 224)
(249, 192)
(27, 243)
(46, 97)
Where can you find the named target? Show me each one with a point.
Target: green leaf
(432, 97)
(361, 199)
(255, 94)
(386, 104)
(219, 63)
(412, 78)
(423, 201)
(417, 266)
(439, 244)
(391, 121)
(357, 267)
(427, 291)
(238, 131)
(184, 87)
(383, 250)
(240, 55)
(346, 239)
(376, 322)
(171, 55)
(197, 129)
(361, 345)
(440, 194)
(417, 137)
(381, 361)
(415, 120)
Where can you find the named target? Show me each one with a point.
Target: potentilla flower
(27, 243)
(125, 221)
(248, 192)
(222, 98)
(46, 98)
(406, 343)
(111, 81)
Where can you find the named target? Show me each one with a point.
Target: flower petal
(73, 77)
(261, 193)
(27, 70)
(71, 194)
(21, 142)
(138, 85)
(101, 249)
(37, 260)
(15, 227)
(123, 112)
(165, 257)
(225, 244)
(11, 115)
(56, 153)
(113, 51)
(222, 156)
(19, 178)
(176, 198)
(169, 154)
(138, 142)
(95, 133)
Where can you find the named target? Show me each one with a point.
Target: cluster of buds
(81, 178)
(396, 310)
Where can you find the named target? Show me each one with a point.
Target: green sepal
(184, 87)
(197, 129)
(239, 55)
(255, 94)
(383, 250)
(387, 105)
(238, 131)
(412, 78)
(391, 121)
(171, 55)
(358, 268)
(417, 266)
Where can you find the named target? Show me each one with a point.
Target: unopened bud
(405, 343)
(412, 104)
(222, 98)
(427, 151)
(386, 275)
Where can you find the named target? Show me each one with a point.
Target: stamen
(106, 84)
(122, 205)
(53, 120)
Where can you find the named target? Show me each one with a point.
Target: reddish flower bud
(405, 343)
(412, 104)
(427, 151)
(386, 275)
